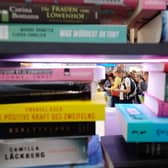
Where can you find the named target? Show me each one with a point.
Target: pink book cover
(145, 11)
(159, 107)
(37, 74)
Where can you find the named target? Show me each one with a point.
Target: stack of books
(144, 127)
(48, 117)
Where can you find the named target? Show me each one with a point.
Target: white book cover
(157, 85)
(19, 153)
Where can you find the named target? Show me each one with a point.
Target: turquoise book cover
(140, 124)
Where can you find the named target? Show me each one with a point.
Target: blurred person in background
(117, 72)
(107, 88)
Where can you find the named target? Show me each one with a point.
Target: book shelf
(83, 48)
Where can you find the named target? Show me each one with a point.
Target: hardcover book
(157, 106)
(139, 124)
(61, 33)
(43, 151)
(120, 154)
(158, 82)
(46, 129)
(48, 13)
(52, 111)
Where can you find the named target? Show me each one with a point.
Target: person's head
(111, 77)
(138, 77)
(118, 72)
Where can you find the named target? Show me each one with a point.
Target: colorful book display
(139, 124)
(63, 33)
(48, 13)
(43, 151)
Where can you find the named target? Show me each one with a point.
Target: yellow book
(52, 111)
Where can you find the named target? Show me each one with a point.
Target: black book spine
(18, 93)
(46, 129)
(48, 13)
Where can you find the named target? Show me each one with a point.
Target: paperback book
(69, 33)
(63, 73)
(44, 91)
(52, 111)
(43, 151)
(95, 156)
(139, 124)
(46, 129)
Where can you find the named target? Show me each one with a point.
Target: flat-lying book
(120, 154)
(43, 151)
(52, 111)
(140, 124)
(31, 92)
(46, 129)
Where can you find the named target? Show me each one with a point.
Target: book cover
(157, 106)
(44, 91)
(158, 82)
(69, 33)
(52, 111)
(140, 124)
(43, 151)
(95, 156)
(48, 13)
(120, 154)
(46, 129)
(49, 74)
